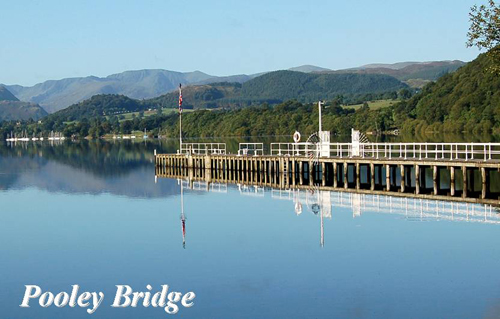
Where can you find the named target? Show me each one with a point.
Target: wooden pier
(454, 177)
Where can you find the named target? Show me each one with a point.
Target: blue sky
(43, 40)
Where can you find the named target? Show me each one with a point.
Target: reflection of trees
(94, 167)
(97, 157)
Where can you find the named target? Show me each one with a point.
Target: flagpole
(180, 117)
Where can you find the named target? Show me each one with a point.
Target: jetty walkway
(463, 171)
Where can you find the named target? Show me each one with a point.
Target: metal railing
(295, 149)
(420, 151)
(392, 151)
(251, 149)
(203, 148)
(429, 151)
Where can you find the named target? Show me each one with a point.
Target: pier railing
(437, 151)
(203, 148)
(251, 149)
(300, 149)
(421, 151)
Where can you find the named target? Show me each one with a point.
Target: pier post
(403, 181)
(358, 177)
(335, 174)
(301, 175)
(323, 175)
(417, 179)
(452, 181)
(372, 176)
(483, 180)
(311, 171)
(388, 177)
(464, 186)
(435, 180)
(190, 161)
(345, 175)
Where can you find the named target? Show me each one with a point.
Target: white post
(320, 103)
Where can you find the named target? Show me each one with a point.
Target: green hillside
(415, 74)
(212, 95)
(279, 86)
(271, 88)
(16, 110)
(466, 100)
(99, 105)
(12, 109)
(309, 87)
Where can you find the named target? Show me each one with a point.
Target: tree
(484, 31)
(404, 94)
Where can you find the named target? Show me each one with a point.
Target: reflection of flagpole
(183, 217)
(322, 240)
(322, 236)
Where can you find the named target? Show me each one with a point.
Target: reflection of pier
(410, 208)
(321, 202)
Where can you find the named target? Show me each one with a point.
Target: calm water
(91, 214)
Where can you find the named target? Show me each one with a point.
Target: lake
(93, 214)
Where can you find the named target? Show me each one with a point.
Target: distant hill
(308, 69)
(415, 74)
(16, 110)
(99, 105)
(272, 88)
(276, 87)
(13, 109)
(466, 100)
(5, 95)
(55, 95)
(214, 95)
(392, 66)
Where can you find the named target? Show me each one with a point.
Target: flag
(180, 98)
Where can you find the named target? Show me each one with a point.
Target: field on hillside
(374, 105)
(165, 111)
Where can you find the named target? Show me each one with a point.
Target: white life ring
(298, 208)
(296, 137)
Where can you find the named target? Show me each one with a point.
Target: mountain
(466, 100)
(13, 109)
(278, 86)
(415, 74)
(392, 66)
(272, 88)
(308, 69)
(55, 95)
(5, 95)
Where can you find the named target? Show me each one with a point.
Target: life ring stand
(296, 137)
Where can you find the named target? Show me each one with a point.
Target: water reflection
(381, 256)
(183, 218)
(322, 204)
